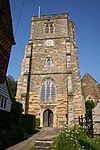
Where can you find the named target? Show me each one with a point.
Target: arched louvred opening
(48, 91)
(47, 28)
(51, 28)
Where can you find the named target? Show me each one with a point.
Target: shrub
(28, 123)
(75, 139)
(11, 135)
(16, 134)
(5, 119)
(37, 123)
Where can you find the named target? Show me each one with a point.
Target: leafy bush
(89, 106)
(16, 134)
(28, 123)
(74, 139)
(37, 123)
(5, 119)
(11, 135)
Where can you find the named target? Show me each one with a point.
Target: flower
(67, 135)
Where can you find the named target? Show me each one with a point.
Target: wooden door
(48, 118)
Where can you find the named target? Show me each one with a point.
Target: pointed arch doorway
(48, 118)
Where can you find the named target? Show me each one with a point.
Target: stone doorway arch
(48, 118)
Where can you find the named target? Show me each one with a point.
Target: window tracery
(48, 90)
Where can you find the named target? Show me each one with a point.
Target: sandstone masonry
(49, 85)
(90, 88)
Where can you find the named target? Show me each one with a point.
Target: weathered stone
(91, 88)
(51, 57)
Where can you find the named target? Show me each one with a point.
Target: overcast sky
(84, 13)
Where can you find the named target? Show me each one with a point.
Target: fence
(91, 125)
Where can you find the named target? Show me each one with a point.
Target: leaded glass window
(43, 93)
(53, 92)
(48, 90)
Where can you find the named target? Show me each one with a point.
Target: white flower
(71, 135)
(67, 135)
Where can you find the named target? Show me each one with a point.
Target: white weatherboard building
(5, 99)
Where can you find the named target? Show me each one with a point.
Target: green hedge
(28, 123)
(11, 136)
(37, 123)
(15, 127)
(5, 119)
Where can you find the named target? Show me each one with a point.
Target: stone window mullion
(45, 91)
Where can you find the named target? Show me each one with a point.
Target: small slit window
(49, 62)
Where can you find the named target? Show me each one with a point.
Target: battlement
(51, 17)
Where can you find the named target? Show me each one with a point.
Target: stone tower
(49, 85)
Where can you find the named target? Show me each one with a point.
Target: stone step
(42, 145)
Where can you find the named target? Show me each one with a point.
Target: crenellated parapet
(51, 17)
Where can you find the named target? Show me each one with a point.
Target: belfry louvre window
(51, 28)
(48, 90)
(48, 28)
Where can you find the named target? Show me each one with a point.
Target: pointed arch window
(51, 28)
(47, 28)
(48, 91)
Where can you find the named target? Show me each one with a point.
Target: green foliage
(37, 123)
(12, 84)
(16, 133)
(28, 123)
(5, 119)
(74, 139)
(15, 128)
(89, 106)
(16, 112)
(13, 134)
(10, 129)
(32, 148)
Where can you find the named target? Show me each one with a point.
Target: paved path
(44, 134)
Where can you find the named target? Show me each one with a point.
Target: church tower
(49, 85)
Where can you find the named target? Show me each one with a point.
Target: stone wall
(90, 87)
(60, 48)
